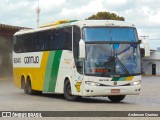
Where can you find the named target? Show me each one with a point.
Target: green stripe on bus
(48, 71)
(122, 79)
(119, 79)
(52, 71)
(115, 79)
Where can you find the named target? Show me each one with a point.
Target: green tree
(106, 16)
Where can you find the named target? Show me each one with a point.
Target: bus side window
(57, 39)
(18, 45)
(40, 41)
(47, 40)
(60, 39)
(15, 45)
(52, 39)
(27, 43)
(76, 39)
(33, 42)
(24, 43)
(67, 38)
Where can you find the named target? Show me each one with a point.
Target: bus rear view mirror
(140, 41)
(82, 49)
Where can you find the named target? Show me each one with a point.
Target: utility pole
(146, 46)
(38, 13)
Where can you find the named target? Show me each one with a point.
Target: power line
(144, 37)
(155, 39)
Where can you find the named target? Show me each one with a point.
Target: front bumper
(107, 90)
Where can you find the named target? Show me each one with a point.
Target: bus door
(78, 76)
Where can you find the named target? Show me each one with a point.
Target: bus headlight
(92, 83)
(136, 82)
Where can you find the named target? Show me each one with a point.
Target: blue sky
(144, 14)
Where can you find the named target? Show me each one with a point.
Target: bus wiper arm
(122, 65)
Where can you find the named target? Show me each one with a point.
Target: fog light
(87, 90)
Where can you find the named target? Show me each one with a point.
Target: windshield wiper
(122, 65)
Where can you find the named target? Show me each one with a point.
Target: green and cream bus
(79, 58)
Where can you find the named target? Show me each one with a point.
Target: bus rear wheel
(68, 93)
(23, 85)
(28, 87)
(116, 98)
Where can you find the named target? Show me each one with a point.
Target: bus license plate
(115, 90)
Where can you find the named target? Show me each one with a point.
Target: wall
(148, 61)
(5, 56)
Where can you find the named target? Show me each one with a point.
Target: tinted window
(76, 39)
(41, 38)
(56, 39)
(67, 38)
(17, 44)
(49, 40)
(26, 42)
(110, 34)
(63, 38)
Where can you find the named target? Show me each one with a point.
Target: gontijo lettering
(31, 59)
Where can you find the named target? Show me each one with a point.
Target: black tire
(22, 82)
(28, 87)
(25, 89)
(67, 92)
(23, 85)
(116, 98)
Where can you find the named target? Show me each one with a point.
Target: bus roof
(80, 23)
(116, 23)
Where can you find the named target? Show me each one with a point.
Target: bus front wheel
(67, 92)
(116, 98)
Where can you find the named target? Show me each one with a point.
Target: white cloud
(146, 10)
(155, 18)
(81, 11)
(116, 2)
(47, 5)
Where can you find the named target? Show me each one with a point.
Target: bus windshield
(110, 34)
(120, 54)
(112, 59)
